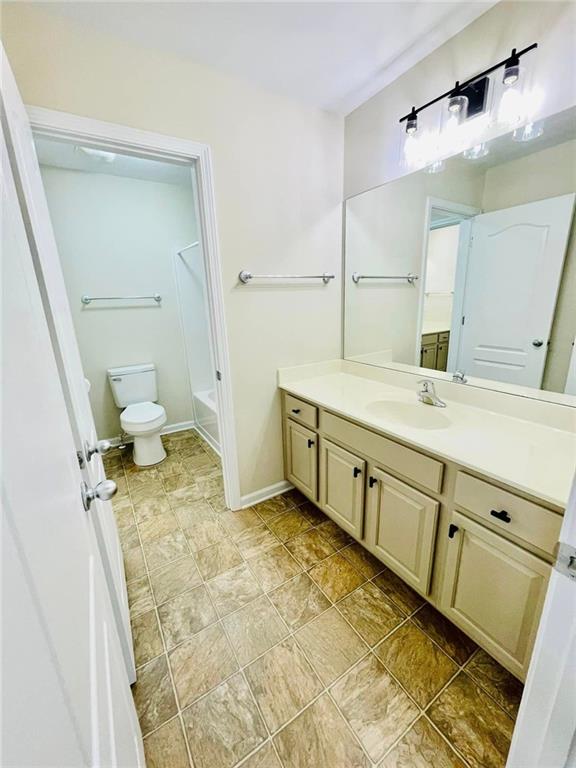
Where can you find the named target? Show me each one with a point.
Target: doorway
(133, 213)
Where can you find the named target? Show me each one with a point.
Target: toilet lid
(142, 413)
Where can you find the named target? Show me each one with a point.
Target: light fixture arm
(515, 55)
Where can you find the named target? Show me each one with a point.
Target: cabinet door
(442, 356)
(494, 591)
(401, 528)
(302, 458)
(428, 356)
(342, 487)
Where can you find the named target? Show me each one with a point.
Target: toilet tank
(133, 384)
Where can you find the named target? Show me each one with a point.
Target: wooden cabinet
(401, 528)
(342, 476)
(428, 356)
(434, 350)
(494, 590)
(302, 458)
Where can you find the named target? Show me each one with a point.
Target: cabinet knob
(452, 530)
(502, 515)
(372, 481)
(357, 471)
(310, 443)
(295, 410)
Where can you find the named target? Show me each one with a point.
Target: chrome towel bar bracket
(88, 299)
(410, 278)
(246, 276)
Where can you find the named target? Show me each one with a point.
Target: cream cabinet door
(494, 591)
(401, 528)
(302, 458)
(342, 487)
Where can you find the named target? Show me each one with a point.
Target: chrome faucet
(459, 377)
(428, 394)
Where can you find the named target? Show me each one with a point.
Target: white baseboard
(205, 435)
(265, 493)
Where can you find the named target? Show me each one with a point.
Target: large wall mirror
(471, 269)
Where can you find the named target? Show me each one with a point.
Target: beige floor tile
(155, 527)
(310, 548)
(177, 482)
(295, 497)
(299, 600)
(172, 465)
(255, 541)
(189, 450)
(289, 524)
(129, 538)
(137, 478)
(375, 705)
(499, 683)
(242, 520)
(371, 613)
(452, 640)
(283, 683)
(331, 645)
(194, 463)
(153, 695)
(265, 757)
(271, 508)
(189, 515)
(174, 578)
(134, 565)
(205, 534)
(166, 747)
(224, 726)
(184, 495)
(319, 738)
(274, 567)
(398, 591)
(121, 488)
(146, 507)
(473, 723)
(233, 589)
(165, 549)
(336, 577)
(254, 629)
(185, 615)
(420, 666)
(124, 514)
(218, 503)
(140, 597)
(218, 558)
(201, 663)
(368, 565)
(334, 534)
(146, 637)
(312, 513)
(422, 747)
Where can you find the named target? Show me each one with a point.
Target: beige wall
(278, 179)
(372, 132)
(548, 173)
(118, 236)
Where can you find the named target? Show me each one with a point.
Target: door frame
(123, 139)
(466, 212)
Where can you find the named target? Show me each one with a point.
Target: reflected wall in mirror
(471, 269)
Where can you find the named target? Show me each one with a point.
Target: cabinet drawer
(408, 463)
(512, 514)
(444, 336)
(301, 411)
(429, 338)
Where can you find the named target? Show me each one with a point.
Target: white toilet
(134, 389)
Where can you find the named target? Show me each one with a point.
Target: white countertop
(434, 326)
(526, 455)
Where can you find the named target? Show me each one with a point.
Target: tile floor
(267, 638)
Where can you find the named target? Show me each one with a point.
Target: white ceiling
(333, 55)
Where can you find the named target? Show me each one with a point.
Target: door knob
(100, 446)
(537, 342)
(103, 491)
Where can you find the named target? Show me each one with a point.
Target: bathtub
(206, 412)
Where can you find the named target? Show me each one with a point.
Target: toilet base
(148, 450)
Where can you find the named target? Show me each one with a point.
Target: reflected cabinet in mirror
(471, 270)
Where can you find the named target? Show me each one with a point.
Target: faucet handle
(427, 385)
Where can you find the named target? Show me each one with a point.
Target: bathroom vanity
(464, 503)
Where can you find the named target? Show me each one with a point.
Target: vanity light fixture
(457, 101)
(512, 69)
(412, 122)
(528, 132)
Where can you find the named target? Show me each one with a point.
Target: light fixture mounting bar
(414, 111)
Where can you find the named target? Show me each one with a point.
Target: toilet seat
(142, 417)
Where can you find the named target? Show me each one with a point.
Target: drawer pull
(502, 515)
(310, 443)
(296, 410)
(372, 481)
(357, 471)
(452, 530)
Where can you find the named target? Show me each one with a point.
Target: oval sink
(416, 415)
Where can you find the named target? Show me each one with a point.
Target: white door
(514, 269)
(66, 701)
(55, 301)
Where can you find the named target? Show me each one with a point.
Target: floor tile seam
(397, 604)
(447, 740)
(287, 551)
(487, 692)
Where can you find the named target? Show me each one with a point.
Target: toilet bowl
(144, 422)
(134, 389)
